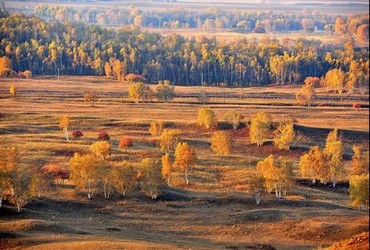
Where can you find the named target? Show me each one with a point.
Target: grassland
(214, 212)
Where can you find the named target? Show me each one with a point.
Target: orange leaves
(221, 143)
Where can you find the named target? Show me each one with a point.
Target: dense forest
(207, 19)
(75, 48)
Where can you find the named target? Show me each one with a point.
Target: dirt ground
(181, 220)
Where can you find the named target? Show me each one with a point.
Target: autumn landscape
(184, 124)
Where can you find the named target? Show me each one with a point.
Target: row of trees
(207, 19)
(318, 165)
(77, 49)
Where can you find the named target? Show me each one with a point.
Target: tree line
(31, 44)
(208, 19)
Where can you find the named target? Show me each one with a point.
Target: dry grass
(213, 212)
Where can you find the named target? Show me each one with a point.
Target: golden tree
(165, 91)
(13, 91)
(139, 91)
(277, 176)
(335, 80)
(260, 127)
(256, 187)
(334, 154)
(101, 149)
(118, 69)
(85, 172)
(5, 66)
(207, 118)
(167, 168)
(313, 166)
(152, 177)
(20, 186)
(105, 175)
(64, 122)
(359, 190)
(284, 135)
(234, 118)
(156, 128)
(221, 143)
(184, 159)
(169, 139)
(363, 33)
(306, 95)
(91, 98)
(8, 162)
(360, 161)
(108, 70)
(124, 178)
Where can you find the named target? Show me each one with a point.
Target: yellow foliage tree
(313, 166)
(8, 162)
(184, 159)
(359, 190)
(221, 143)
(259, 128)
(165, 91)
(335, 80)
(124, 178)
(277, 175)
(284, 135)
(306, 95)
(360, 161)
(64, 122)
(167, 168)
(207, 118)
(256, 187)
(334, 154)
(13, 91)
(169, 139)
(139, 91)
(234, 118)
(106, 180)
(91, 98)
(152, 177)
(5, 66)
(108, 70)
(85, 172)
(101, 149)
(156, 128)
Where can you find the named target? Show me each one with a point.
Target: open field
(228, 36)
(214, 212)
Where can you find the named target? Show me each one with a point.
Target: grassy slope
(213, 212)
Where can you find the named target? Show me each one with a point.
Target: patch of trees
(41, 47)
(97, 172)
(19, 183)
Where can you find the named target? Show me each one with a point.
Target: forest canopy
(75, 48)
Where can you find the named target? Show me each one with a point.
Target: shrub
(356, 105)
(103, 136)
(156, 128)
(27, 74)
(125, 142)
(135, 78)
(101, 149)
(77, 133)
